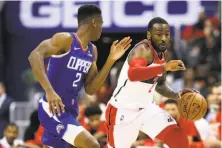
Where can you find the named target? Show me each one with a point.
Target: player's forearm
(139, 71)
(37, 64)
(165, 90)
(100, 78)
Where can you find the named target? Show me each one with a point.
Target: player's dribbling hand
(55, 103)
(185, 90)
(119, 48)
(174, 65)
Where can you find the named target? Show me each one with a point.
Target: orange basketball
(192, 106)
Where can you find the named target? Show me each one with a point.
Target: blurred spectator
(37, 140)
(5, 102)
(207, 135)
(94, 124)
(214, 118)
(214, 103)
(194, 31)
(30, 131)
(10, 134)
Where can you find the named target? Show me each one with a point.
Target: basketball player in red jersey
(131, 108)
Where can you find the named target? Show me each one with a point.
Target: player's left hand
(119, 48)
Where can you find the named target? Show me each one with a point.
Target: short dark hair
(86, 11)
(156, 20)
(11, 124)
(93, 110)
(170, 101)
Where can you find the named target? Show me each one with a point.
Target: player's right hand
(174, 65)
(55, 103)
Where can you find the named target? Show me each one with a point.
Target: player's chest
(78, 64)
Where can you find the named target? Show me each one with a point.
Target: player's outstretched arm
(58, 44)
(95, 80)
(140, 67)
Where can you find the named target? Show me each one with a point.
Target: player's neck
(84, 37)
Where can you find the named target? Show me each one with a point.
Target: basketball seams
(199, 110)
(190, 106)
(181, 111)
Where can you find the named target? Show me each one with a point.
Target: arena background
(24, 24)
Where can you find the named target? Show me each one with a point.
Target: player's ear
(94, 23)
(148, 35)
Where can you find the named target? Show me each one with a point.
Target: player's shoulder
(63, 36)
(141, 47)
(141, 50)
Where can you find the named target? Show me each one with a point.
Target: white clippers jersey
(137, 94)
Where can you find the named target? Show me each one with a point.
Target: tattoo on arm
(164, 89)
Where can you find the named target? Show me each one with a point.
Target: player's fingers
(123, 40)
(195, 90)
(179, 62)
(62, 106)
(181, 68)
(50, 107)
(127, 43)
(57, 108)
(115, 42)
(127, 47)
(53, 108)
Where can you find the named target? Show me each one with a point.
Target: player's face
(2, 90)
(160, 37)
(94, 121)
(216, 91)
(11, 133)
(97, 27)
(172, 110)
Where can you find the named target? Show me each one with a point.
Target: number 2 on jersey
(78, 76)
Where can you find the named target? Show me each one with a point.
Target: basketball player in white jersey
(132, 108)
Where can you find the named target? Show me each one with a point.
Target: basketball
(192, 106)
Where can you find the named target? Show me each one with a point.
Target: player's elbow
(131, 75)
(89, 90)
(31, 57)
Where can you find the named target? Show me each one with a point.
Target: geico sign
(56, 13)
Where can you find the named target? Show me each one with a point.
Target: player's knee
(95, 144)
(92, 143)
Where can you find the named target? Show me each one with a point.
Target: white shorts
(124, 124)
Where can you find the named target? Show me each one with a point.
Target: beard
(158, 48)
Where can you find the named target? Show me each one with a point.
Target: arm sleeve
(139, 71)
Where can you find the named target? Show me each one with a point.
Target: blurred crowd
(199, 48)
